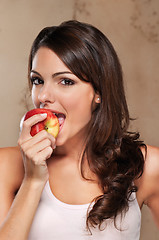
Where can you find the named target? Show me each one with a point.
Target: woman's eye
(36, 81)
(67, 82)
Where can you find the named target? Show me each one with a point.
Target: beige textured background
(133, 28)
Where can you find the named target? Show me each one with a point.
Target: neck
(70, 154)
(72, 149)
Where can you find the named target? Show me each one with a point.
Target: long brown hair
(113, 153)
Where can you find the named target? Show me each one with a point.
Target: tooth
(61, 120)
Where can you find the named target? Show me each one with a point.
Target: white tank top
(55, 220)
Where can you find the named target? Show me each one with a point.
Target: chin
(60, 141)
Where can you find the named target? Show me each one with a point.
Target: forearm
(20, 217)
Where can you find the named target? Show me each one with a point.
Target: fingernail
(43, 114)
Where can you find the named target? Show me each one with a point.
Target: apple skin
(50, 124)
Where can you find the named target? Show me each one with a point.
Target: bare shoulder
(11, 176)
(151, 169)
(11, 166)
(150, 182)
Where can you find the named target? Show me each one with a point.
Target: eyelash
(68, 82)
(65, 81)
(36, 81)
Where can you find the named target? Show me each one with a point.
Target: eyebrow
(54, 75)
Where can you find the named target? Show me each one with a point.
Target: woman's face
(56, 88)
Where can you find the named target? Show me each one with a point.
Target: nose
(46, 94)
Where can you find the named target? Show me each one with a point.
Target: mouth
(61, 118)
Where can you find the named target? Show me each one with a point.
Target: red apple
(50, 124)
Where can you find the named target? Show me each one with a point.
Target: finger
(38, 138)
(53, 140)
(41, 157)
(27, 124)
(39, 147)
(44, 155)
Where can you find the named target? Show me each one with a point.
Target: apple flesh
(50, 124)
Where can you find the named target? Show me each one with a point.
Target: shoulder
(148, 183)
(7, 151)
(10, 156)
(152, 162)
(11, 176)
(151, 169)
(11, 167)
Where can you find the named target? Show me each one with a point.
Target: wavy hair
(113, 153)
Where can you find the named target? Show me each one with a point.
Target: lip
(55, 111)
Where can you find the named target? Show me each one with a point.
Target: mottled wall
(133, 28)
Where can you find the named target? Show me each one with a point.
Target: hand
(36, 150)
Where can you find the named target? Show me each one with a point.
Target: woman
(90, 181)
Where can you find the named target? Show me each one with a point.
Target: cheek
(34, 97)
(79, 106)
